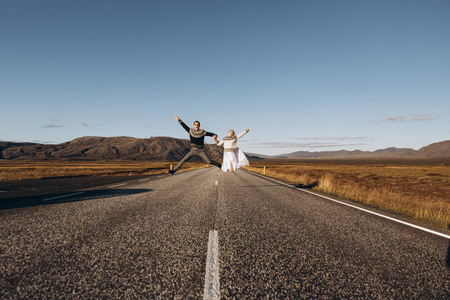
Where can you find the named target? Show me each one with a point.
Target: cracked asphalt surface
(149, 239)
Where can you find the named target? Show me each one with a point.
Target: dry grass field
(421, 191)
(25, 170)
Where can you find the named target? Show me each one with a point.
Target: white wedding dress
(237, 158)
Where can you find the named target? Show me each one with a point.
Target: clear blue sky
(304, 75)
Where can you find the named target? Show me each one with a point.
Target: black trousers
(196, 152)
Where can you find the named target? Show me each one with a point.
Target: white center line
(212, 285)
(63, 196)
(117, 185)
(357, 207)
(217, 182)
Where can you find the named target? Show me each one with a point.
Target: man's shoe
(171, 172)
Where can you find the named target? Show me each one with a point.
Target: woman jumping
(233, 157)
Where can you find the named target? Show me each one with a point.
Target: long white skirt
(237, 158)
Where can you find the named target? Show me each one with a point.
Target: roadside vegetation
(25, 170)
(419, 191)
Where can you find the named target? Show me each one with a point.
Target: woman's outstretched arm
(243, 133)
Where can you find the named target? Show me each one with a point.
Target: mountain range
(172, 149)
(436, 150)
(106, 148)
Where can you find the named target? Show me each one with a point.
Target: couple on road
(233, 157)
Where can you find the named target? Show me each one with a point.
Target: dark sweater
(197, 142)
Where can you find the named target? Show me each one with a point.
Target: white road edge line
(212, 285)
(161, 176)
(359, 208)
(117, 185)
(145, 179)
(217, 182)
(63, 196)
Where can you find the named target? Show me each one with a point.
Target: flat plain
(415, 188)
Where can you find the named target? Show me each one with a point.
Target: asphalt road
(150, 238)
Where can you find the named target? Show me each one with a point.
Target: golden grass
(14, 171)
(418, 191)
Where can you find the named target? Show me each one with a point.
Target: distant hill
(441, 149)
(172, 149)
(107, 148)
(6, 145)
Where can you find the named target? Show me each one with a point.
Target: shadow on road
(76, 197)
(448, 256)
(299, 186)
(307, 186)
(264, 185)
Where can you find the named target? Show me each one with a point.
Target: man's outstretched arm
(182, 123)
(211, 134)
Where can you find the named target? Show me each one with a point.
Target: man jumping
(197, 137)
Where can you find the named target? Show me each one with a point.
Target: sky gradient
(304, 75)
